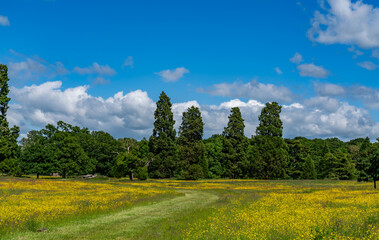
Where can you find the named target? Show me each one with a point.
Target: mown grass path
(127, 223)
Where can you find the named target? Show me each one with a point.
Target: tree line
(71, 150)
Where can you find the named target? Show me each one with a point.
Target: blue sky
(69, 60)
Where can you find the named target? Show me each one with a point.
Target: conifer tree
(9, 150)
(373, 169)
(363, 161)
(309, 170)
(271, 152)
(233, 155)
(191, 146)
(162, 142)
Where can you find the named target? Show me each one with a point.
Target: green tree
(131, 161)
(297, 154)
(234, 146)
(271, 152)
(104, 150)
(72, 159)
(373, 169)
(309, 170)
(9, 149)
(37, 155)
(190, 144)
(269, 121)
(162, 143)
(363, 161)
(213, 148)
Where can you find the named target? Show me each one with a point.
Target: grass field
(169, 209)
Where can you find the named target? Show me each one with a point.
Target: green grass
(124, 224)
(168, 217)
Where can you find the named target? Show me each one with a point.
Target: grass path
(126, 224)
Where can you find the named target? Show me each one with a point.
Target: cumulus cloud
(132, 114)
(346, 22)
(312, 70)
(297, 58)
(325, 117)
(369, 96)
(172, 75)
(96, 69)
(122, 115)
(278, 71)
(329, 89)
(4, 21)
(128, 62)
(368, 65)
(253, 90)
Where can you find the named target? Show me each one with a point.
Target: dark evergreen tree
(234, 146)
(270, 150)
(363, 161)
(309, 170)
(297, 155)
(191, 146)
(162, 143)
(337, 166)
(373, 170)
(325, 168)
(269, 121)
(9, 149)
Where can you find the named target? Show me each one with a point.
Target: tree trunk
(131, 175)
(37, 175)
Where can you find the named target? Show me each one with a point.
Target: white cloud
(356, 52)
(369, 96)
(128, 62)
(346, 22)
(132, 114)
(325, 117)
(297, 58)
(172, 75)
(122, 115)
(253, 90)
(95, 69)
(4, 21)
(33, 68)
(329, 89)
(26, 70)
(312, 70)
(368, 65)
(278, 71)
(101, 81)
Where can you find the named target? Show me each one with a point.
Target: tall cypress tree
(191, 146)
(162, 142)
(233, 154)
(271, 151)
(9, 150)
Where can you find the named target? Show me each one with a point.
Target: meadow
(174, 209)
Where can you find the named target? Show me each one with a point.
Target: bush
(194, 172)
(141, 173)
